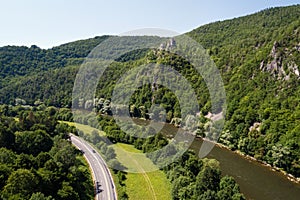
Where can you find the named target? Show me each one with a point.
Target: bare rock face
(274, 50)
(255, 127)
(297, 47)
(276, 68)
(168, 45)
(162, 46)
(172, 42)
(294, 69)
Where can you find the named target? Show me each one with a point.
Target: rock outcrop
(276, 66)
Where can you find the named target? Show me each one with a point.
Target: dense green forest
(258, 56)
(37, 161)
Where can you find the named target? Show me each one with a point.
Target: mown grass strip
(148, 182)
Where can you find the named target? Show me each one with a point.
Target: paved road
(104, 185)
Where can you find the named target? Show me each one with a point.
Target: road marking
(106, 176)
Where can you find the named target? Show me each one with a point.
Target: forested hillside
(36, 159)
(259, 56)
(20, 61)
(259, 59)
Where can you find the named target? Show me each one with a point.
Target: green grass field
(146, 182)
(85, 128)
(133, 159)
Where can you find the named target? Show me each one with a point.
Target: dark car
(98, 189)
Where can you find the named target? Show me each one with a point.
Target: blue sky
(48, 23)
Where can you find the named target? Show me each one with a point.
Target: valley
(258, 58)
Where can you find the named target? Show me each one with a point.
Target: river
(256, 181)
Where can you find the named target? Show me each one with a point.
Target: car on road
(98, 189)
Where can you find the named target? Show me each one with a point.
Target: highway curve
(104, 186)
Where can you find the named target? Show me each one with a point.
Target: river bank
(288, 176)
(256, 179)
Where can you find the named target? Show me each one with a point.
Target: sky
(48, 23)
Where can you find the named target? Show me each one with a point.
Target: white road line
(94, 165)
